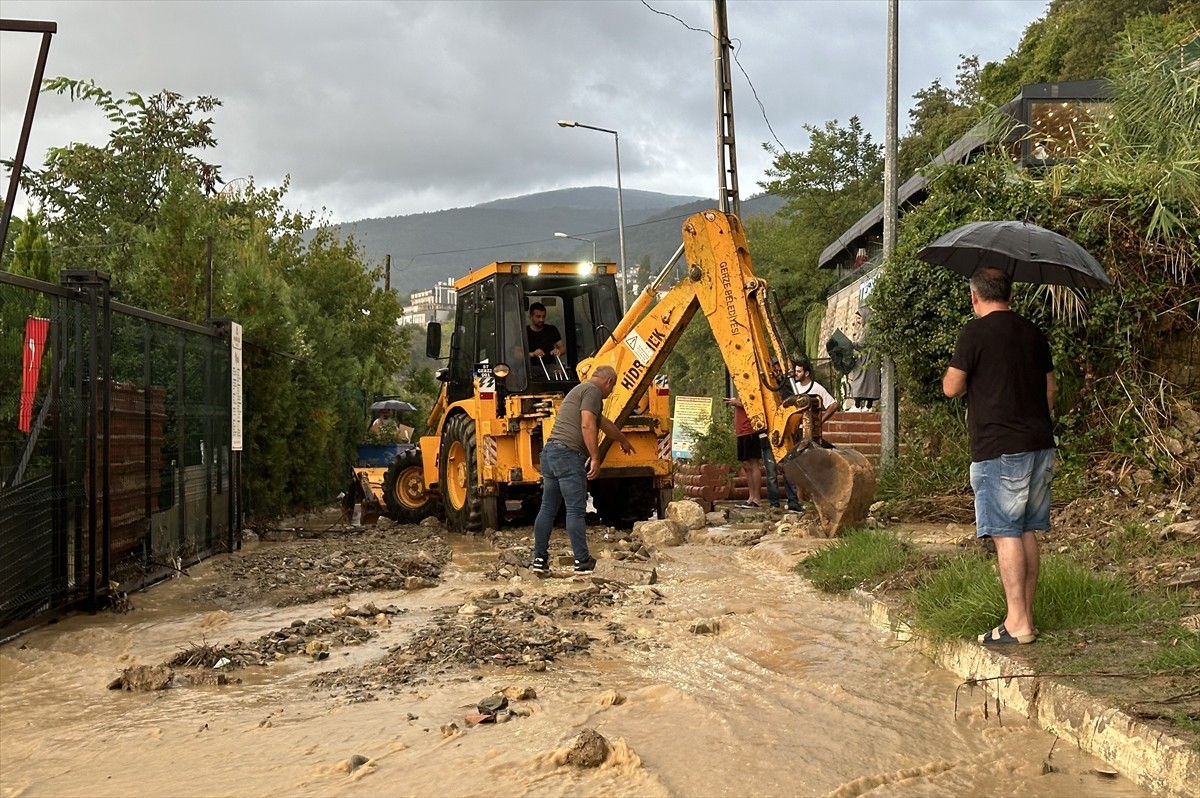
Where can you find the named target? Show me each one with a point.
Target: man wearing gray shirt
(569, 459)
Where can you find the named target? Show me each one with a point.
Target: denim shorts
(1012, 493)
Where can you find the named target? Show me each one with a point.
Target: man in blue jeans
(1002, 363)
(569, 459)
(768, 454)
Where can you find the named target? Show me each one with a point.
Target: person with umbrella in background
(1002, 363)
(385, 423)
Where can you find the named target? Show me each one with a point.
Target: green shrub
(718, 444)
(862, 556)
(934, 455)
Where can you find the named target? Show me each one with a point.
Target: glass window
(547, 367)
(462, 345)
(584, 338)
(1062, 130)
(487, 334)
(512, 315)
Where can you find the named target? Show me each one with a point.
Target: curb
(1154, 760)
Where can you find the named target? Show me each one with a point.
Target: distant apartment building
(431, 304)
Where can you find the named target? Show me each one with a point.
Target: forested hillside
(427, 247)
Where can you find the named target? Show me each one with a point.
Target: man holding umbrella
(1002, 363)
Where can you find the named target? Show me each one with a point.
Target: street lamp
(620, 205)
(580, 238)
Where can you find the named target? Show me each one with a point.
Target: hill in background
(428, 247)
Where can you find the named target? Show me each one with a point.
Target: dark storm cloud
(379, 108)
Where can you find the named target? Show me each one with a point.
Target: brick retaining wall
(858, 431)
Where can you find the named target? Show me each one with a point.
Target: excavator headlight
(587, 267)
(500, 370)
(534, 269)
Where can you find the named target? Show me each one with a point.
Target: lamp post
(620, 205)
(580, 238)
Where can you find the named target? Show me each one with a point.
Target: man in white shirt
(802, 382)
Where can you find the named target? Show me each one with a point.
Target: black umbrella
(1029, 253)
(392, 404)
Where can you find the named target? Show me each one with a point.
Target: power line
(762, 108)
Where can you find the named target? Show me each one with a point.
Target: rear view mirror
(433, 340)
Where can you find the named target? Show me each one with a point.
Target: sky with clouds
(382, 108)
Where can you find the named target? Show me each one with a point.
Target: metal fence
(115, 461)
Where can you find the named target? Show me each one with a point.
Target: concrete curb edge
(1154, 760)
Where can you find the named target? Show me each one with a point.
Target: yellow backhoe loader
(479, 462)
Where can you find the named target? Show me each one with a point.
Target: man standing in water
(1002, 363)
(569, 459)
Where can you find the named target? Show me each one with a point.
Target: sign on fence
(235, 382)
(693, 415)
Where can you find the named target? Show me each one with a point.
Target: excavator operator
(544, 339)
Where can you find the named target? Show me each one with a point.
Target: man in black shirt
(544, 339)
(1002, 363)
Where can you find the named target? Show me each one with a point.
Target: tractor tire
(404, 490)
(458, 476)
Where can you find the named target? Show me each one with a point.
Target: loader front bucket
(840, 482)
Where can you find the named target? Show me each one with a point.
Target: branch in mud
(1096, 674)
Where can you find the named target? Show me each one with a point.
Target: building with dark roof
(1046, 123)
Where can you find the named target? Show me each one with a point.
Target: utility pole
(727, 184)
(387, 273)
(727, 187)
(890, 417)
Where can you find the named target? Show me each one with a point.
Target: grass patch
(934, 455)
(1180, 652)
(964, 598)
(858, 557)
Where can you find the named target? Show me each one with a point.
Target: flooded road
(791, 694)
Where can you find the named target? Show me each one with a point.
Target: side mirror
(433, 340)
(442, 375)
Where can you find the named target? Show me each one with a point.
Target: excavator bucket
(840, 482)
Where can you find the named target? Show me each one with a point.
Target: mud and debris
(531, 624)
(491, 633)
(302, 569)
(347, 626)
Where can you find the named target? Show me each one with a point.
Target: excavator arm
(720, 284)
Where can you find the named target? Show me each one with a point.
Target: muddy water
(795, 695)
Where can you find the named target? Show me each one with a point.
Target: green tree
(1074, 41)
(940, 117)
(100, 199)
(31, 251)
(319, 335)
(1122, 356)
(832, 183)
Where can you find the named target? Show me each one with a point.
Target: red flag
(31, 364)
